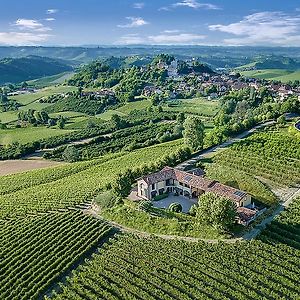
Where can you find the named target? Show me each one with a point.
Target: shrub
(160, 197)
(145, 205)
(175, 207)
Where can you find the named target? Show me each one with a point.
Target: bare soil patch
(16, 166)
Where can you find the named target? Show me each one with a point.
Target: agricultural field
(26, 99)
(273, 156)
(51, 80)
(37, 249)
(131, 267)
(125, 109)
(28, 134)
(67, 188)
(8, 117)
(273, 74)
(198, 106)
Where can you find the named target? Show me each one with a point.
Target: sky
(150, 22)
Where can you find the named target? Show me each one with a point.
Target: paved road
(208, 152)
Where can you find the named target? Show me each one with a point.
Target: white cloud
(135, 22)
(139, 5)
(28, 24)
(165, 38)
(22, 38)
(263, 28)
(181, 38)
(51, 11)
(195, 4)
(171, 31)
(50, 19)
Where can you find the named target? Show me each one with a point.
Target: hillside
(16, 70)
(272, 62)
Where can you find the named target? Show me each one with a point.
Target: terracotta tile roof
(246, 214)
(227, 191)
(164, 174)
(195, 181)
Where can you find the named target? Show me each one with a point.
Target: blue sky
(126, 22)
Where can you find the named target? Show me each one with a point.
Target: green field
(273, 74)
(31, 97)
(8, 116)
(194, 106)
(73, 186)
(125, 109)
(28, 134)
(51, 80)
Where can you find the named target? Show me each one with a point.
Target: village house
(170, 180)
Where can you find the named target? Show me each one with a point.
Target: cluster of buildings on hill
(213, 85)
(192, 185)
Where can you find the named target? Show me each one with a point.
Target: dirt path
(253, 233)
(258, 228)
(95, 213)
(211, 151)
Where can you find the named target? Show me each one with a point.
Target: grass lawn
(28, 134)
(159, 221)
(195, 105)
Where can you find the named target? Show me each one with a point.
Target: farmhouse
(171, 180)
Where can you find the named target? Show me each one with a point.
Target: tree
(193, 133)
(215, 210)
(281, 120)
(175, 207)
(116, 121)
(180, 118)
(70, 154)
(61, 122)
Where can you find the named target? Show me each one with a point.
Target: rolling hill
(14, 70)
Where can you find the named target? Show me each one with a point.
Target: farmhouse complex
(192, 185)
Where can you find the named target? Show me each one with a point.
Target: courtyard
(185, 202)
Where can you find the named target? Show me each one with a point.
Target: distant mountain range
(215, 56)
(14, 70)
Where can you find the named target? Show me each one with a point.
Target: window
(169, 182)
(153, 186)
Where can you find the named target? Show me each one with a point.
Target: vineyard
(69, 186)
(36, 250)
(274, 156)
(129, 267)
(243, 181)
(285, 229)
